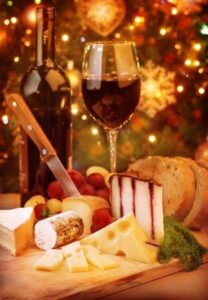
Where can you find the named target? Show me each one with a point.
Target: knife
(47, 152)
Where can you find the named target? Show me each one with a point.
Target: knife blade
(47, 152)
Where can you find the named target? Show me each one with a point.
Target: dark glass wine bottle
(46, 90)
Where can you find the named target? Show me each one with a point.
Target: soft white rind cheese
(58, 230)
(16, 229)
(122, 237)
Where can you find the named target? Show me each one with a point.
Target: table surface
(180, 285)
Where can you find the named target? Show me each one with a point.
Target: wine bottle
(46, 89)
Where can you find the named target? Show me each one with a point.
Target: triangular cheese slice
(16, 229)
(122, 237)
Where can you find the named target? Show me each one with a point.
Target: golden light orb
(117, 35)
(201, 70)
(13, 20)
(6, 22)
(180, 88)
(138, 20)
(16, 59)
(131, 27)
(163, 31)
(28, 31)
(5, 119)
(197, 46)
(201, 90)
(65, 37)
(174, 11)
(152, 138)
(188, 62)
(177, 46)
(94, 130)
(27, 43)
(196, 63)
(9, 3)
(31, 16)
(74, 109)
(84, 117)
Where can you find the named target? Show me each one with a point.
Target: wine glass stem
(112, 135)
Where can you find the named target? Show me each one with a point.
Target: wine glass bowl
(111, 86)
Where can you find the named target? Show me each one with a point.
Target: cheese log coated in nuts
(58, 230)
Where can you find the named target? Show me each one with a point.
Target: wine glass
(111, 86)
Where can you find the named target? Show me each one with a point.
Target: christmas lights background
(172, 44)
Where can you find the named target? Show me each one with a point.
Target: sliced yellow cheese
(122, 237)
(16, 229)
(98, 259)
(49, 261)
(75, 257)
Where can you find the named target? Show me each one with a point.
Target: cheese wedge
(122, 237)
(144, 199)
(16, 229)
(85, 207)
(49, 261)
(99, 259)
(75, 257)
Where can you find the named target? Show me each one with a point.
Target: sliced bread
(198, 215)
(176, 178)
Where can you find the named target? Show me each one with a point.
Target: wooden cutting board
(18, 280)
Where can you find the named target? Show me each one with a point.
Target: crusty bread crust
(176, 178)
(198, 215)
(203, 163)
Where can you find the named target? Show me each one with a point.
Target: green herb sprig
(179, 243)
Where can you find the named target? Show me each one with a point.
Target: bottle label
(23, 163)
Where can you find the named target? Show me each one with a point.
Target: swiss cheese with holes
(122, 237)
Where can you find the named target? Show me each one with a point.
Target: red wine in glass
(111, 102)
(111, 86)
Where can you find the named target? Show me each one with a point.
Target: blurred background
(172, 43)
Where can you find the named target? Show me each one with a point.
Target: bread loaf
(176, 178)
(198, 215)
(185, 186)
(203, 163)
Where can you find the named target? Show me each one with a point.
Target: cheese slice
(99, 259)
(75, 257)
(122, 237)
(50, 261)
(16, 229)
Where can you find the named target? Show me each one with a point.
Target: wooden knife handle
(26, 119)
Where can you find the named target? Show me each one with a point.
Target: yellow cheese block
(122, 237)
(16, 229)
(49, 261)
(98, 259)
(75, 257)
(85, 207)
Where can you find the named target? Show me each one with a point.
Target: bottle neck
(45, 37)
